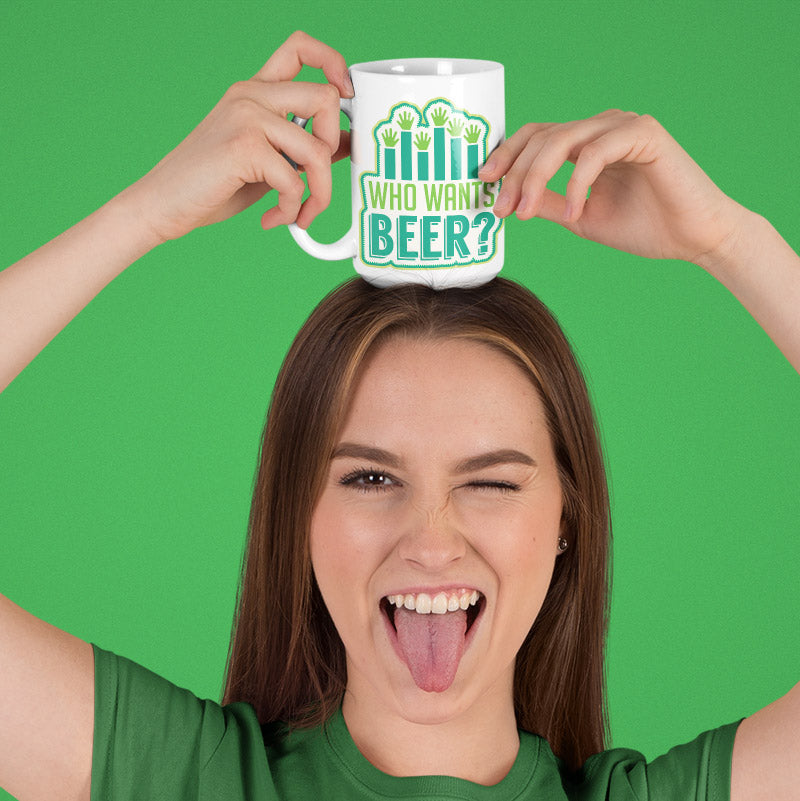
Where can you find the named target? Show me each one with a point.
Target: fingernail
(489, 166)
(524, 207)
(568, 211)
(502, 205)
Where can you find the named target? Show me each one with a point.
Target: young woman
(423, 606)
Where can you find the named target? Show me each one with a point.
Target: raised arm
(232, 159)
(650, 198)
(227, 163)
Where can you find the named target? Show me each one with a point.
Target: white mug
(420, 130)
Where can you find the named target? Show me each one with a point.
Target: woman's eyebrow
(355, 451)
(492, 458)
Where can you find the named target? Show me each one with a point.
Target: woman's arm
(46, 709)
(650, 198)
(229, 161)
(763, 272)
(41, 293)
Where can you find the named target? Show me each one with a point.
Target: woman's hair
(286, 658)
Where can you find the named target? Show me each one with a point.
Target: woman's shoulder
(156, 739)
(699, 769)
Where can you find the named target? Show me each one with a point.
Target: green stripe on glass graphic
(422, 165)
(455, 159)
(472, 161)
(438, 154)
(389, 162)
(405, 156)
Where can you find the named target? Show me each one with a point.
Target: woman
(496, 508)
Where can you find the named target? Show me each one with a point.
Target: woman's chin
(430, 708)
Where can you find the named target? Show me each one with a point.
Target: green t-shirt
(154, 741)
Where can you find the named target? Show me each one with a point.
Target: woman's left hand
(648, 196)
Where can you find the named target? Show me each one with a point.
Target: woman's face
(443, 488)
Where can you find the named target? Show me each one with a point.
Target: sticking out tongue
(432, 646)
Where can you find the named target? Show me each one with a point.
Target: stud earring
(562, 545)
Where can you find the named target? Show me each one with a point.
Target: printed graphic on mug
(424, 206)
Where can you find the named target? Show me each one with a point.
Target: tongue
(432, 646)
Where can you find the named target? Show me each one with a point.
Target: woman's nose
(431, 539)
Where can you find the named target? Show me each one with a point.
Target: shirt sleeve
(696, 771)
(154, 740)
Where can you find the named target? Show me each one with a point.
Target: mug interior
(427, 66)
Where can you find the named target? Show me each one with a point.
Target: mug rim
(422, 68)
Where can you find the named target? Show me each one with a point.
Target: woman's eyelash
(368, 480)
(503, 486)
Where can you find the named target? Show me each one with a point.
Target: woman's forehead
(442, 390)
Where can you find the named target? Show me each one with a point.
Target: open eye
(368, 480)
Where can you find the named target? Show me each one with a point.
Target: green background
(127, 449)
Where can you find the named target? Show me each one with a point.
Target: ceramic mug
(420, 130)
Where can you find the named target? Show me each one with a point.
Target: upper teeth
(438, 604)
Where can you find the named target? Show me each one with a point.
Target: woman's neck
(478, 744)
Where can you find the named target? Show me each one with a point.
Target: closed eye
(502, 486)
(369, 480)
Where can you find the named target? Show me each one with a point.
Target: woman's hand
(227, 163)
(234, 156)
(650, 198)
(647, 195)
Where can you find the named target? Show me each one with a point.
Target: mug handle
(344, 248)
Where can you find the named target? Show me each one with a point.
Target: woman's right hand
(234, 156)
(226, 164)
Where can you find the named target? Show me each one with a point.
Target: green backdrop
(127, 449)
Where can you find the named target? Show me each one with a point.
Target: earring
(562, 545)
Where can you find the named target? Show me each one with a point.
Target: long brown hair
(286, 658)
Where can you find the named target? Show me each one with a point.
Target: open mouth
(430, 633)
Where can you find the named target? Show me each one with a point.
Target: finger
(283, 177)
(343, 151)
(505, 154)
(299, 49)
(311, 155)
(282, 214)
(511, 190)
(319, 187)
(552, 206)
(289, 186)
(545, 148)
(317, 100)
(554, 148)
(320, 184)
(316, 163)
(625, 143)
(320, 196)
